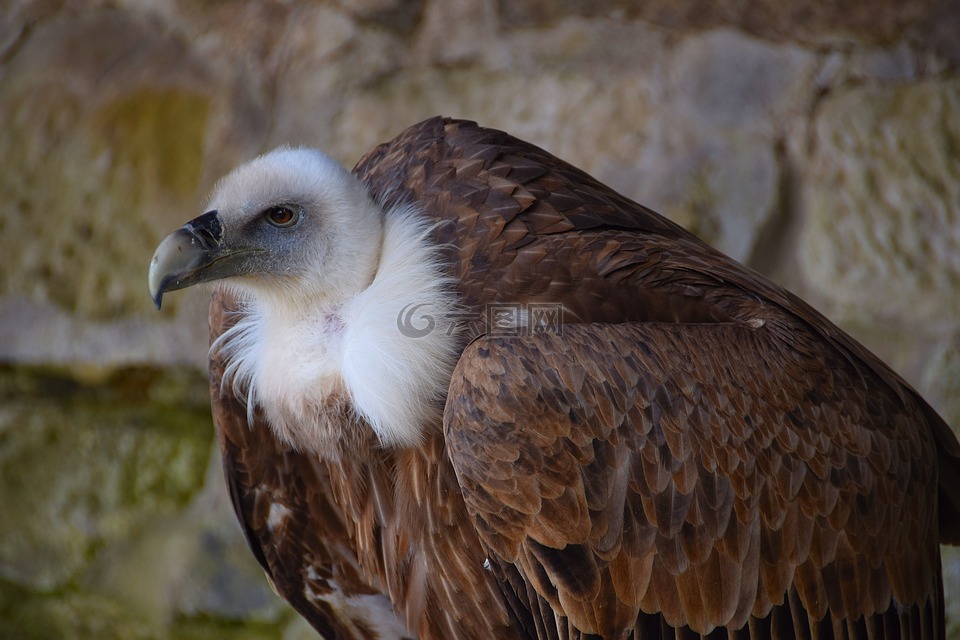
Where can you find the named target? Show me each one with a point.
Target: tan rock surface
(882, 239)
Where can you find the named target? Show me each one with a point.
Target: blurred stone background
(818, 142)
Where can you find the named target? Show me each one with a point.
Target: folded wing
(677, 478)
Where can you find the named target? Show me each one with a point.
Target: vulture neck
(321, 365)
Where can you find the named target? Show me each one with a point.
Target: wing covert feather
(637, 457)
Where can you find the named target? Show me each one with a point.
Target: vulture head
(293, 218)
(322, 276)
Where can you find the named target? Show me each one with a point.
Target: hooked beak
(193, 253)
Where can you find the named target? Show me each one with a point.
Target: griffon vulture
(467, 391)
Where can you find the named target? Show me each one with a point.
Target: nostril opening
(206, 229)
(205, 237)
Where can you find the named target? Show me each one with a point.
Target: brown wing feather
(522, 226)
(684, 474)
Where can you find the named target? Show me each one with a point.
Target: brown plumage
(695, 452)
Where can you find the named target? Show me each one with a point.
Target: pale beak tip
(154, 281)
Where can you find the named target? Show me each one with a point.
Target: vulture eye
(282, 216)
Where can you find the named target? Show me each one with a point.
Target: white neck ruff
(301, 362)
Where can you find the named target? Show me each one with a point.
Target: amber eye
(281, 216)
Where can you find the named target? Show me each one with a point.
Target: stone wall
(819, 145)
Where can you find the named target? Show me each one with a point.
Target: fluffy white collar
(300, 362)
